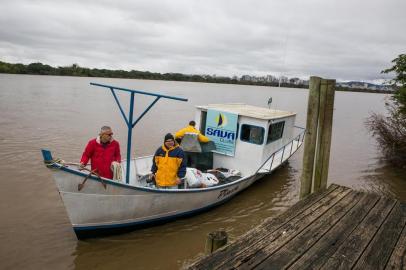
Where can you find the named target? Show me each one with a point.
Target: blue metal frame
(129, 120)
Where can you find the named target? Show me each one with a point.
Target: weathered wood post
(324, 134)
(215, 240)
(311, 136)
(317, 143)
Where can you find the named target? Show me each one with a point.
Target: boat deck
(336, 229)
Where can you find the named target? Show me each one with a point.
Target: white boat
(262, 140)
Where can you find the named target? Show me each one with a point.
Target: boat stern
(47, 155)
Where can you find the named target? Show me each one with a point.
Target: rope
(62, 163)
(117, 171)
(51, 163)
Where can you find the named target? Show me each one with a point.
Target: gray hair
(104, 129)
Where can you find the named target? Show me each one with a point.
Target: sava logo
(220, 133)
(221, 120)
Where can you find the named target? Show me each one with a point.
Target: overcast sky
(345, 40)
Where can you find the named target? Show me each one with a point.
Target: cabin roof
(248, 110)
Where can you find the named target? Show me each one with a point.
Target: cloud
(336, 39)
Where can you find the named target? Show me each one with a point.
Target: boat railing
(298, 138)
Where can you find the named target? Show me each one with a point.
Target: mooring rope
(52, 162)
(62, 163)
(117, 171)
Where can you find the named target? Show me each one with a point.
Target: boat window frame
(249, 140)
(270, 130)
(203, 120)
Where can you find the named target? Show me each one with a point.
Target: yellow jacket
(191, 129)
(168, 164)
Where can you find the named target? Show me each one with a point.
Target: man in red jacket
(102, 151)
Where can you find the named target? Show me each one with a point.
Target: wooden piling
(215, 240)
(311, 136)
(327, 89)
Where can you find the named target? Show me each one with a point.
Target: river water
(63, 113)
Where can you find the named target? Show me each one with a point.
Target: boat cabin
(245, 136)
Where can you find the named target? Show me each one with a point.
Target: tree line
(76, 70)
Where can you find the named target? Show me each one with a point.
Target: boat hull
(96, 210)
(104, 206)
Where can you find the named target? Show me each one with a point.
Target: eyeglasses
(108, 134)
(169, 141)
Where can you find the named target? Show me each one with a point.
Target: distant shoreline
(77, 71)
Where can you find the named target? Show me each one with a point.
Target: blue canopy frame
(129, 120)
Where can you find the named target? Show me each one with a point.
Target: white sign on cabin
(221, 128)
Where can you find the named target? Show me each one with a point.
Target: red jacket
(102, 155)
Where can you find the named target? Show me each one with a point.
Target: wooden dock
(338, 228)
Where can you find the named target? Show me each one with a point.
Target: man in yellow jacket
(169, 164)
(191, 129)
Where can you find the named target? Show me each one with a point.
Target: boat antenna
(269, 102)
(129, 121)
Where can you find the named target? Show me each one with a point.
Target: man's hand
(81, 166)
(178, 181)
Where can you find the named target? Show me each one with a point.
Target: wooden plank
(325, 247)
(289, 230)
(273, 241)
(398, 259)
(349, 252)
(242, 244)
(336, 229)
(379, 250)
(273, 257)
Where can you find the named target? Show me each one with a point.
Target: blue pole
(146, 110)
(119, 105)
(139, 92)
(130, 131)
(129, 120)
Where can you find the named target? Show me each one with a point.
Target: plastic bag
(193, 177)
(209, 180)
(196, 178)
(190, 143)
(226, 173)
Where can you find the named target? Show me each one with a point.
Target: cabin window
(252, 134)
(275, 131)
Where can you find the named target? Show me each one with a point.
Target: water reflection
(383, 178)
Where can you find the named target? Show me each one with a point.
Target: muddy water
(62, 113)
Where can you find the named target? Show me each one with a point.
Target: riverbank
(77, 71)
